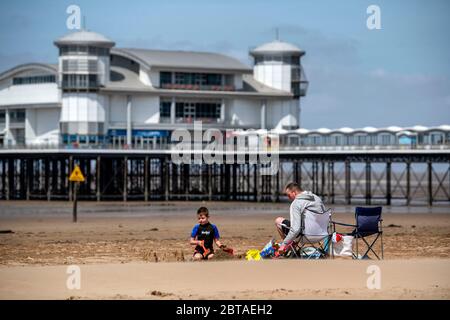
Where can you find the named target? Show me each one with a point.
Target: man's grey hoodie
(315, 216)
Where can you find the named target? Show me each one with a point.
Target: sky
(397, 75)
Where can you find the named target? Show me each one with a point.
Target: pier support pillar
(146, 182)
(322, 174)
(430, 182)
(167, 179)
(348, 191)
(28, 177)
(70, 183)
(256, 190)
(47, 178)
(97, 179)
(10, 178)
(408, 182)
(368, 182)
(332, 181)
(388, 182)
(125, 178)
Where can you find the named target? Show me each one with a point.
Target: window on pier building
(195, 81)
(336, 140)
(315, 140)
(360, 140)
(349, 140)
(197, 110)
(17, 115)
(34, 80)
(165, 78)
(2, 116)
(72, 81)
(82, 50)
(164, 109)
(207, 79)
(437, 138)
(386, 139)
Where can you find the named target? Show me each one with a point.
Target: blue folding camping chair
(368, 223)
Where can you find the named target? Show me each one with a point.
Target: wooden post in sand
(74, 213)
(76, 177)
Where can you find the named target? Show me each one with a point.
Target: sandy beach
(141, 251)
(286, 279)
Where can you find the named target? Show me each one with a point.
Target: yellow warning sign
(77, 175)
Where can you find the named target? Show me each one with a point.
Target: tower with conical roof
(84, 67)
(277, 64)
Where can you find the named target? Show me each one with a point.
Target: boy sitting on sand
(203, 235)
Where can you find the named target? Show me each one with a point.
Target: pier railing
(166, 147)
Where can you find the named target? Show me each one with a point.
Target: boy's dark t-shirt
(207, 233)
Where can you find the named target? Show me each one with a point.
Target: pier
(403, 177)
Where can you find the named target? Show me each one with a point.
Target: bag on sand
(253, 254)
(342, 245)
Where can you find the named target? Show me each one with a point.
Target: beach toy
(253, 254)
(268, 250)
(227, 250)
(205, 251)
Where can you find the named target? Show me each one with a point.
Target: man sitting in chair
(303, 202)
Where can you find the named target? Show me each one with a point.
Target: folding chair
(314, 235)
(368, 223)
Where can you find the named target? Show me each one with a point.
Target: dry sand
(116, 245)
(281, 279)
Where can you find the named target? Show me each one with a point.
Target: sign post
(76, 177)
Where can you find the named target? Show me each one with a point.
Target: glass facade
(195, 81)
(79, 65)
(187, 111)
(77, 81)
(34, 80)
(209, 79)
(165, 78)
(17, 115)
(164, 109)
(271, 58)
(83, 50)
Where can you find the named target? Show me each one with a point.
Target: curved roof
(345, 130)
(419, 128)
(369, 129)
(277, 46)
(394, 129)
(302, 131)
(444, 127)
(323, 130)
(182, 59)
(47, 67)
(85, 37)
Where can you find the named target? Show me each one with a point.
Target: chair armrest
(343, 224)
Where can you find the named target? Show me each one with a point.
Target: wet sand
(154, 237)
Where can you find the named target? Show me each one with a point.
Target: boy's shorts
(199, 249)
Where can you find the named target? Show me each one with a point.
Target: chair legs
(322, 248)
(370, 246)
